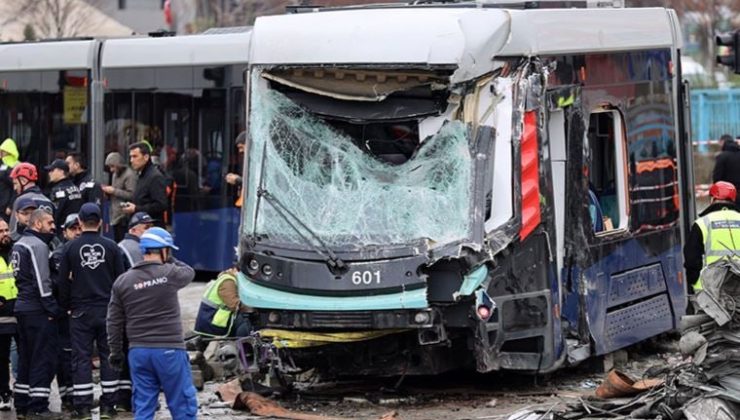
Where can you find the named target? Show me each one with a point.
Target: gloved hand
(116, 361)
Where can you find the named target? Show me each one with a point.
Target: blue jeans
(153, 369)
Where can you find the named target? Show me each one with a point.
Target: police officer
(63, 192)
(36, 310)
(715, 234)
(129, 245)
(90, 264)
(8, 294)
(24, 177)
(151, 320)
(90, 190)
(70, 230)
(221, 313)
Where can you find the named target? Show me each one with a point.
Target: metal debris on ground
(705, 385)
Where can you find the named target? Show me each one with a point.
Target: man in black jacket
(63, 192)
(91, 191)
(727, 166)
(150, 195)
(90, 264)
(37, 311)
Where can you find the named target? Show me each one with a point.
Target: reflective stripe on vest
(721, 233)
(222, 318)
(7, 281)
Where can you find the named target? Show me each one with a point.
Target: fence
(714, 112)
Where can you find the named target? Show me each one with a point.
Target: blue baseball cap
(89, 212)
(140, 218)
(26, 203)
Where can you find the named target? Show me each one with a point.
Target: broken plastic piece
(618, 384)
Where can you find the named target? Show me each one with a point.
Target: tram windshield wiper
(332, 260)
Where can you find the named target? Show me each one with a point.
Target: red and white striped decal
(530, 160)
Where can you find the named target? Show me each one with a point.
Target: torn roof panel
(468, 38)
(409, 36)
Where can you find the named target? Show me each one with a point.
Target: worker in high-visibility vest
(8, 295)
(221, 313)
(714, 235)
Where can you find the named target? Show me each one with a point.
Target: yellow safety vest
(721, 233)
(214, 317)
(7, 281)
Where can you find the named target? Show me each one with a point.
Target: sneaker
(6, 403)
(45, 415)
(82, 414)
(20, 415)
(108, 412)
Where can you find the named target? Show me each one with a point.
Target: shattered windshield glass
(345, 194)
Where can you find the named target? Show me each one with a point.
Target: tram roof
(47, 55)
(465, 37)
(204, 49)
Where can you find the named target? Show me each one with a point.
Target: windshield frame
(481, 149)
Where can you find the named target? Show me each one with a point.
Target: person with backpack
(150, 195)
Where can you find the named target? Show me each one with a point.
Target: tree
(63, 18)
(55, 18)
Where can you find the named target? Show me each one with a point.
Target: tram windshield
(372, 164)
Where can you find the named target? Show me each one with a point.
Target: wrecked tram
(437, 187)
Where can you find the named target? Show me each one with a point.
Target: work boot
(82, 414)
(107, 412)
(45, 415)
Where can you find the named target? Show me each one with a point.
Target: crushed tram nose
(499, 200)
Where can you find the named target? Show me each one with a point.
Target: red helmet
(25, 170)
(723, 190)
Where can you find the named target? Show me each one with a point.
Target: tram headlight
(253, 266)
(267, 270)
(422, 317)
(273, 317)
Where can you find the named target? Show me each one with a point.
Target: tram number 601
(365, 277)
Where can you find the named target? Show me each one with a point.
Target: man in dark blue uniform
(70, 230)
(90, 190)
(63, 192)
(90, 264)
(37, 311)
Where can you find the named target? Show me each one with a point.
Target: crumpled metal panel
(710, 408)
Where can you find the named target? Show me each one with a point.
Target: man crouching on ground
(144, 304)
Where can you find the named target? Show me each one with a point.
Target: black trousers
(64, 364)
(37, 360)
(87, 328)
(5, 340)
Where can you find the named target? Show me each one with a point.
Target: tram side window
(606, 172)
